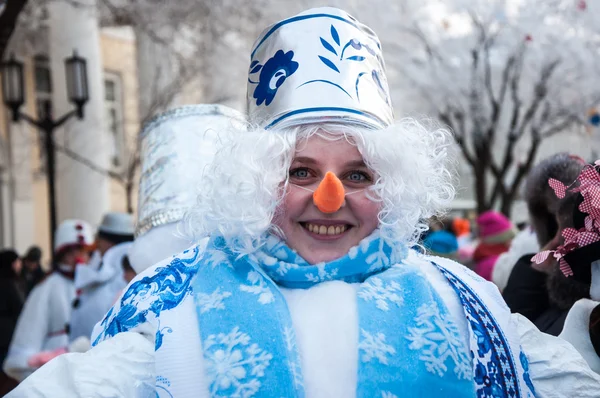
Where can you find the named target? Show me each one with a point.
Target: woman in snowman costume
(308, 285)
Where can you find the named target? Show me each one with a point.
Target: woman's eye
(358, 176)
(300, 173)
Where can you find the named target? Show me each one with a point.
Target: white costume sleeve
(30, 333)
(556, 367)
(122, 366)
(576, 331)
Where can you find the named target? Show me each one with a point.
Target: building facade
(24, 212)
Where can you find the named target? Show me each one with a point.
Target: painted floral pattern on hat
(272, 75)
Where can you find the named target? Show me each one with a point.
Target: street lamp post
(13, 94)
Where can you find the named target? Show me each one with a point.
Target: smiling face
(317, 236)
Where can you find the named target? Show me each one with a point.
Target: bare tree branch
(8, 22)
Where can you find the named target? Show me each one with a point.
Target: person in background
(562, 291)
(495, 234)
(98, 282)
(41, 328)
(442, 244)
(461, 227)
(11, 303)
(525, 291)
(32, 272)
(128, 271)
(525, 241)
(573, 264)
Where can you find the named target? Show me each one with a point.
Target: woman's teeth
(326, 230)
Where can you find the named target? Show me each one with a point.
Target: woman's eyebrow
(304, 159)
(356, 163)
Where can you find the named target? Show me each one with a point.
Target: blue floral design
(164, 290)
(484, 345)
(332, 49)
(335, 47)
(272, 75)
(378, 76)
(489, 379)
(525, 365)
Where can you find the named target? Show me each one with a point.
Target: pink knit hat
(494, 227)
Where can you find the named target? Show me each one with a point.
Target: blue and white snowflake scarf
(408, 344)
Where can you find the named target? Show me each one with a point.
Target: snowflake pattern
(378, 260)
(294, 365)
(362, 247)
(281, 268)
(375, 289)
(234, 364)
(373, 346)
(439, 340)
(216, 257)
(258, 287)
(322, 274)
(213, 301)
(387, 394)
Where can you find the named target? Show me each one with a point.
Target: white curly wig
(240, 192)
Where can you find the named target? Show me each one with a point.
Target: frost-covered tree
(504, 75)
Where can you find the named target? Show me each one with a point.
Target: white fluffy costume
(249, 317)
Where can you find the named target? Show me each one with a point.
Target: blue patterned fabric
(408, 342)
(495, 368)
(167, 288)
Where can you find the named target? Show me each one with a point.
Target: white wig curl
(240, 192)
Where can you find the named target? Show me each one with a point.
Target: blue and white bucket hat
(319, 66)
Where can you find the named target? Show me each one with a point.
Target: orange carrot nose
(329, 196)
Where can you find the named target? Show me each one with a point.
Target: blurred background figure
(32, 272)
(461, 227)
(495, 234)
(41, 331)
(98, 283)
(526, 290)
(441, 243)
(128, 271)
(11, 302)
(526, 241)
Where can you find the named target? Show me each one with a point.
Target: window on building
(113, 96)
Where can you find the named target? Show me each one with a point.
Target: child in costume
(308, 285)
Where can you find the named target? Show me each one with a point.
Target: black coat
(11, 303)
(527, 294)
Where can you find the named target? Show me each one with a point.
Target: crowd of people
(300, 250)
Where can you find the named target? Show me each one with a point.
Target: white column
(80, 191)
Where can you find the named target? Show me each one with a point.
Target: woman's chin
(313, 257)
